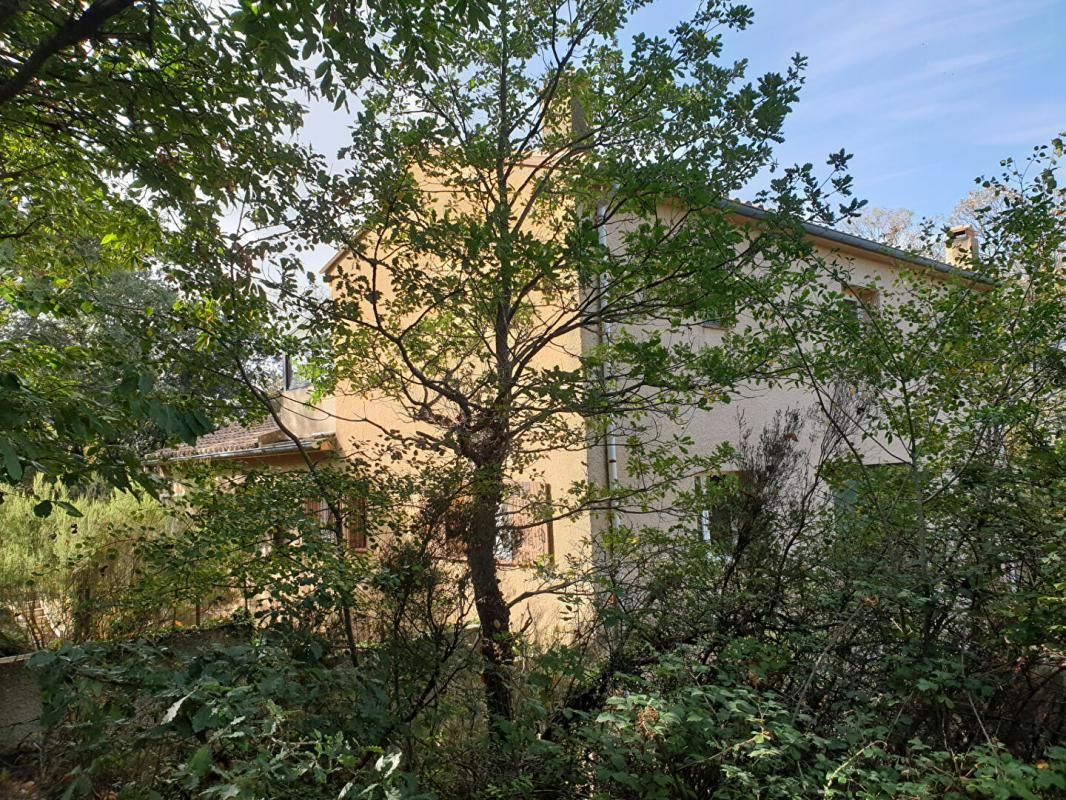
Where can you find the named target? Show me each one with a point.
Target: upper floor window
(291, 376)
(863, 302)
(724, 315)
(720, 305)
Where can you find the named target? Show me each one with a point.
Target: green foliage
(115, 375)
(882, 600)
(132, 133)
(685, 729)
(67, 574)
(271, 718)
(855, 627)
(116, 156)
(528, 229)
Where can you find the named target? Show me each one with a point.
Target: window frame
(864, 302)
(353, 536)
(714, 520)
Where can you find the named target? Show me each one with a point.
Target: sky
(927, 94)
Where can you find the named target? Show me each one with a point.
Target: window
(716, 305)
(721, 299)
(862, 301)
(319, 512)
(845, 496)
(720, 508)
(291, 377)
(353, 523)
(723, 316)
(857, 492)
(705, 524)
(524, 527)
(523, 521)
(356, 525)
(508, 537)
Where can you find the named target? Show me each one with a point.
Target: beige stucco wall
(362, 421)
(366, 422)
(305, 415)
(753, 406)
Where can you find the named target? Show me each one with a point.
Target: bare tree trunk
(494, 615)
(83, 613)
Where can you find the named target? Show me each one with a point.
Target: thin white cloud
(922, 91)
(1031, 127)
(891, 30)
(886, 177)
(926, 91)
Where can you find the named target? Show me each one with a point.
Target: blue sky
(927, 94)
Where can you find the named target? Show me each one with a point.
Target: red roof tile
(227, 440)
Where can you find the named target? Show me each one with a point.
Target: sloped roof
(259, 439)
(859, 243)
(816, 231)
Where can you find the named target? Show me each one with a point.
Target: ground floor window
(353, 527)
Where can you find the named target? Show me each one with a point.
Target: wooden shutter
(355, 525)
(525, 519)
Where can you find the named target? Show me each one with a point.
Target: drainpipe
(611, 445)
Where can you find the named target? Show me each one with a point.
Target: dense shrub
(259, 718)
(68, 562)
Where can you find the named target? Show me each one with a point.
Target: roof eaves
(817, 231)
(335, 259)
(859, 243)
(312, 442)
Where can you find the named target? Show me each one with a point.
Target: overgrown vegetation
(848, 631)
(68, 575)
(861, 598)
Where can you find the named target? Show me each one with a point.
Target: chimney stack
(962, 249)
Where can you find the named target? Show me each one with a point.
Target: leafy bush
(67, 563)
(681, 729)
(261, 718)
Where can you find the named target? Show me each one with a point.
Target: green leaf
(11, 461)
(200, 763)
(70, 508)
(203, 718)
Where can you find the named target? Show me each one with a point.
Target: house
(871, 271)
(351, 421)
(293, 429)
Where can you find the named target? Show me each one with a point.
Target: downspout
(611, 443)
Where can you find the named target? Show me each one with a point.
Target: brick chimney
(962, 249)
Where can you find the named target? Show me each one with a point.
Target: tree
(886, 595)
(476, 223)
(110, 344)
(69, 578)
(897, 227)
(129, 133)
(981, 207)
(893, 227)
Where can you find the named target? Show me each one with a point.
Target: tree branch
(74, 30)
